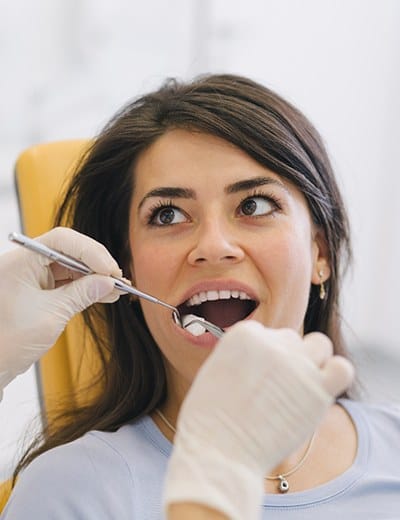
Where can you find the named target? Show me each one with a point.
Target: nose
(215, 244)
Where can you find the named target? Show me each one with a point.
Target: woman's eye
(256, 206)
(167, 216)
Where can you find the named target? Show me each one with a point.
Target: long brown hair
(97, 203)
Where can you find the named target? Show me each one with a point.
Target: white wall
(66, 66)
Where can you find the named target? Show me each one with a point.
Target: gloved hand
(257, 397)
(38, 297)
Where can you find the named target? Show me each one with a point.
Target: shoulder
(381, 419)
(102, 475)
(89, 476)
(390, 411)
(135, 443)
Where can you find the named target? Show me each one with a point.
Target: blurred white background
(68, 65)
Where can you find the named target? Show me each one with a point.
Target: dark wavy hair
(97, 202)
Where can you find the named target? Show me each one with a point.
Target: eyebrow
(255, 182)
(187, 193)
(169, 192)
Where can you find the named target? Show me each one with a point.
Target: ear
(321, 270)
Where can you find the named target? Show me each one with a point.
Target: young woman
(218, 197)
(194, 487)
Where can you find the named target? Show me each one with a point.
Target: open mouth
(223, 308)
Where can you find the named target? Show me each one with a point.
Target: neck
(293, 460)
(162, 426)
(170, 408)
(332, 451)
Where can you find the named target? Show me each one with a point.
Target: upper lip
(217, 285)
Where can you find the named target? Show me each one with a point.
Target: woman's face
(208, 222)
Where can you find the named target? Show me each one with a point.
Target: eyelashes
(165, 213)
(246, 205)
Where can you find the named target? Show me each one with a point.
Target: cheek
(144, 267)
(153, 265)
(286, 272)
(285, 261)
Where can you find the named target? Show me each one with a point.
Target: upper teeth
(224, 294)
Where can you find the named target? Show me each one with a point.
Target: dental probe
(196, 325)
(81, 267)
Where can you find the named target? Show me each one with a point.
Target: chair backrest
(41, 173)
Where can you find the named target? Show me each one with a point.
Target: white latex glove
(38, 297)
(256, 399)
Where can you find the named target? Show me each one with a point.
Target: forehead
(180, 156)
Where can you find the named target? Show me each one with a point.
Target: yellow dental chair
(41, 173)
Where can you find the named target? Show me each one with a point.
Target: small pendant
(283, 484)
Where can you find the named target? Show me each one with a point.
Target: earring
(322, 291)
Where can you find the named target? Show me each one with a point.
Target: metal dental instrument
(210, 327)
(80, 267)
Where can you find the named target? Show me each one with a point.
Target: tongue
(224, 313)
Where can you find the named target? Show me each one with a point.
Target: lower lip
(206, 340)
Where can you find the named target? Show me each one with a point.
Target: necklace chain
(165, 420)
(283, 485)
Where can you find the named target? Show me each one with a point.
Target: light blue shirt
(119, 476)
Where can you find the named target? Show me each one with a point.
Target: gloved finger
(81, 247)
(111, 297)
(317, 347)
(337, 375)
(76, 296)
(62, 274)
